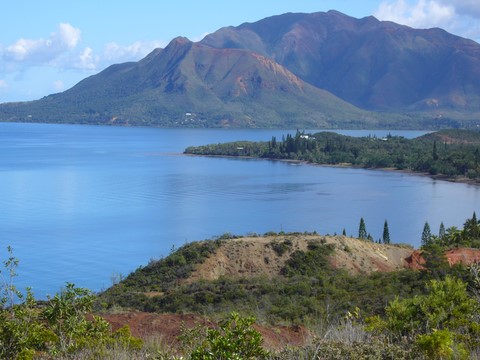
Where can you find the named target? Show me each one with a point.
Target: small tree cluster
(469, 236)
(364, 235)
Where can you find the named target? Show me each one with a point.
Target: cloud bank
(43, 50)
(460, 17)
(62, 50)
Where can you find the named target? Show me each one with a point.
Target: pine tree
(362, 230)
(434, 151)
(386, 233)
(344, 232)
(471, 227)
(441, 231)
(426, 234)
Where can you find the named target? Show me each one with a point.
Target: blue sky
(48, 46)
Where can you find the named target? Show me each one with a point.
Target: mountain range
(319, 70)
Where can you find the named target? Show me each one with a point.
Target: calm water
(82, 204)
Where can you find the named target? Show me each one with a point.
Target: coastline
(441, 177)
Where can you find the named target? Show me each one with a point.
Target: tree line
(451, 153)
(468, 236)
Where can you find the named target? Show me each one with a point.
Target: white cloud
(61, 51)
(201, 37)
(455, 16)
(58, 61)
(42, 51)
(464, 7)
(114, 53)
(86, 60)
(68, 35)
(423, 14)
(58, 85)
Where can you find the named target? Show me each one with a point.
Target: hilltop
(268, 255)
(215, 275)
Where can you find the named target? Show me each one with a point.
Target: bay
(84, 204)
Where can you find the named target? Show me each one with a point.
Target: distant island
(448, 154)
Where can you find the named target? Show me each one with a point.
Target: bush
(235, 339)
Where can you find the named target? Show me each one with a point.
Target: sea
(89, 204)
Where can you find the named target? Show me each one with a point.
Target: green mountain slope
(191, 84)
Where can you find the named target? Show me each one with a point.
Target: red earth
(168, 328)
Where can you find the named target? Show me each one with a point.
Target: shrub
(235, 339)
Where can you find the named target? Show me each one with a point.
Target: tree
(273, 143)
(386, 233)
(362, 230)
(434, 151)
(441, 231)
(453, 236)
(426, 235)
(471, 227)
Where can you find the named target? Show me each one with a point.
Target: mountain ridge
(353, 58)
(319, 70)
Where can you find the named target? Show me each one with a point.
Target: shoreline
(441, 177)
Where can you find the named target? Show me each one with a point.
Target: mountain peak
(180, 40)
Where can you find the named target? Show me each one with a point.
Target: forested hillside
(453, 154)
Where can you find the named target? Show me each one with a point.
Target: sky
(48, 46)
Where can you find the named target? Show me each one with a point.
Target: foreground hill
(278, 278)
(230, 272)
(321, 70)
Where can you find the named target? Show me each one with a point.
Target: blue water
(86, 203)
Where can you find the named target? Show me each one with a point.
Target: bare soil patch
(167, 327)
(255, 256)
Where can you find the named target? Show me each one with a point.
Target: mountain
(320, 70)
(377, 65)
(192, 84)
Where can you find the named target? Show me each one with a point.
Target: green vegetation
(432, 314)
(447, 153)
(386, 233)
(442, 324)
(234, 339)
(306, 288)
(162, 275)
(453, 237)
(58, 328)
(362, 230)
